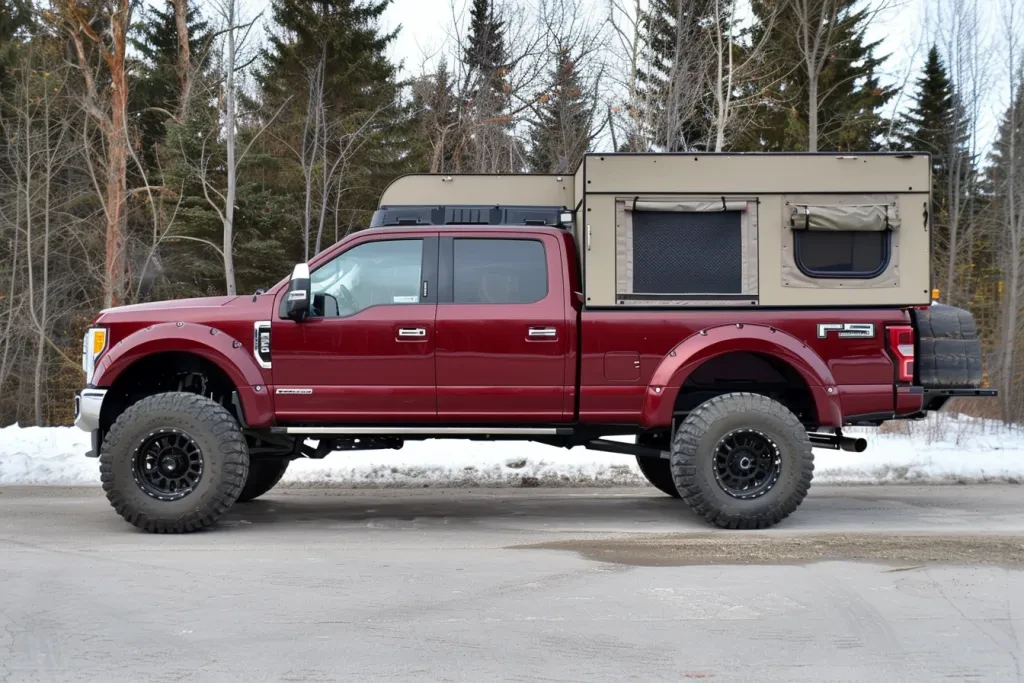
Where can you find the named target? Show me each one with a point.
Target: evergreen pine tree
(850, 94)
(486, 49)
(436, 114)
(361, 97)
(564, 129)
(155, 92)
(933, 123)
(489, 142)
(937, 124)
(166, 145)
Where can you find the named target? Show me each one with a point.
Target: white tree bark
(1013, 196)
(230, 133)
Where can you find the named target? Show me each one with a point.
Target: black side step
(625, 448)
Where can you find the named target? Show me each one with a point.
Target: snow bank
(945, 448)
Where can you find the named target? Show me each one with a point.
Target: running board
(424, 431)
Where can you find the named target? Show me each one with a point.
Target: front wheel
(174, 463)
(742, 461)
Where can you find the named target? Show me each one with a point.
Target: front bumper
(88, 404)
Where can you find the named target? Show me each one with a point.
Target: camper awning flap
(691, 206)
(859, 218)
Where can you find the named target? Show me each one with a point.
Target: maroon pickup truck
(417, 331)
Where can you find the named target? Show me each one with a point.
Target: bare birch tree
(235, 33)
(625, 22)
(738, 64)
(959, 34)
(1010, 190)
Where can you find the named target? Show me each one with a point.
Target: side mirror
(298, 298)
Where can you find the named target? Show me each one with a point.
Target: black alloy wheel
(168, 464)
(747, 463)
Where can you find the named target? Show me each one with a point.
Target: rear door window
(499, 271)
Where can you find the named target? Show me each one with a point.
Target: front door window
(380, 273)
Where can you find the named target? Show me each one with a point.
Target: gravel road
(862, 583)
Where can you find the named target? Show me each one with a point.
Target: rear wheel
(658, 471)
(173, 463)
(264, 474)
(742, 461)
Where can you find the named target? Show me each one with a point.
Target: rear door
(501, 328)
(367, 354)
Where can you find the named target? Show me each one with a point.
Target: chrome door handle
(535, 332)
(407, 332)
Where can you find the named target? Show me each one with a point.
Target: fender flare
(688, 355)
(231, 355)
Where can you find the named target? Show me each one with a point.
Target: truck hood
(121, 312)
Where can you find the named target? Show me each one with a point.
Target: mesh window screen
(687, 253)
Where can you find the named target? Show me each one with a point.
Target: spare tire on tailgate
(948, 353)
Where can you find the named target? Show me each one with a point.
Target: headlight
(94, 344)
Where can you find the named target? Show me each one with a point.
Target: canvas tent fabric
(847, 218)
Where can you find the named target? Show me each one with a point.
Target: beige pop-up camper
(717, 230)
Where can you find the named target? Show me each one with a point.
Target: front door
(367, 352)
(502, 335)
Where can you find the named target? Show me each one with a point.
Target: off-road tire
(225, 462)
(658, 471)
(264, 474)
(698, 438)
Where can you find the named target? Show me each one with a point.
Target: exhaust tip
(854, 445)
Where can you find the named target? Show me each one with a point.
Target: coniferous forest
(177, 148)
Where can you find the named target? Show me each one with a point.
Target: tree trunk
(41, 321)
(117, 155)
(184, 57)
(4, 366)
(1014, 227)
(1010, 332)
(953, 220)
(116, 190)
(28, 133)
(812, 113)
(229, 143)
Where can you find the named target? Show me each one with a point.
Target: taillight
(901, 345)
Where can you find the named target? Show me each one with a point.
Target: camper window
(843, 253)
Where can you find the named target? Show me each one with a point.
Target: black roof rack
(469, 214)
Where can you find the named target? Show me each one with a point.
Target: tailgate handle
(412, 332)
(542, 332)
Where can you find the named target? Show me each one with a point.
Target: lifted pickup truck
(730, 312)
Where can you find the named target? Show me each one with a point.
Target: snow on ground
(945, 448)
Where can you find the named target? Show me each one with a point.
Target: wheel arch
(140, 364)
(785, 353)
